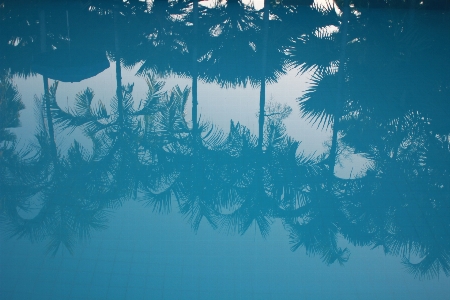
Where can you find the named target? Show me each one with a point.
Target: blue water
(177, 150)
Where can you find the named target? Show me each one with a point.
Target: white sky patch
(259, 4)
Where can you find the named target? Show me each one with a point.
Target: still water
(225, 150)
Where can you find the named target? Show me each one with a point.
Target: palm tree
(16, 180)
(260, 186)
(343, 88)
(316, 49)
(10, 106)
(70, 202)
(71, 205)
(399, 202)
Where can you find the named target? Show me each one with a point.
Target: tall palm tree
(16, 179)
(70, 206)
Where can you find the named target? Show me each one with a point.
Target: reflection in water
(373, 83)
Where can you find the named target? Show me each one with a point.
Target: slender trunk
(262, 103)
(119, 93)
(68, 36)
(196, 163)
(194, 104)
(48, 113)
(121, 179)
(194, 71)
(340, 92)
(261, 197)
(43, 31)
(262, 95)
(118, 69)
(47, 104)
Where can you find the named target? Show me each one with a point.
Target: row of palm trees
(361, 55)
(232, 182)
(385, 55)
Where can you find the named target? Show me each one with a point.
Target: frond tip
(429, 267)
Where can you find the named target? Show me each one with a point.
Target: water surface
(183, 150)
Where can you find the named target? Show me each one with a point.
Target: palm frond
(10, 105)
(317, 51)
(160, 203)
(195, 210)
(92, 119)
(319, 103)
(152, 101)
(430, 266)
(212, 137)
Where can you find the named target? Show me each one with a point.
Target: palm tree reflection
(68, 207)
(146, 150)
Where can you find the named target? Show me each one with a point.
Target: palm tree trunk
(118, 68)
(259, 175)
(194, 71)
(48, 114)
(119, 91)
(43, 31)
(47, 104)
(340, 92)
(262, 94)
